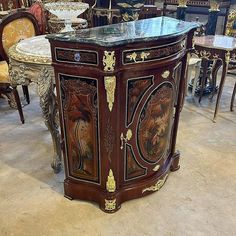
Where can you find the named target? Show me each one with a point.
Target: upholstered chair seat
(4, 75)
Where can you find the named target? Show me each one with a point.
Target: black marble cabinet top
(123, 33)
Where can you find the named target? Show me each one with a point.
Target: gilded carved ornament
(165, 74)
(110, 86)
(109, 61)
(182, 3)
(227, 57)
(111, 183)
(110, 205)
(156, 168)
(144, 55)
(125, 139)
(156, 186)
(132, 56)
(127, 17)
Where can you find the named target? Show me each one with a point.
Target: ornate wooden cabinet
(120, 90)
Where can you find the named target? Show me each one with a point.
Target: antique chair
(13, 28)
(38, 11)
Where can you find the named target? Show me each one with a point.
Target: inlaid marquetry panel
(80, 113)
(154, 123)
(136, 88)
(133, 169)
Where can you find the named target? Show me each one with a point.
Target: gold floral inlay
(204, 54)
(110, 205)
(156, 186)
(144, 55)
(110, 86)
(111, 183)
(133, 56)
(109, 61)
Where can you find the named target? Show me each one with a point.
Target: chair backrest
(15, 27)
(38, 11)
(231, 24)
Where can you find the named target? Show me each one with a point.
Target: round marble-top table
(221, 49)
(30, 61)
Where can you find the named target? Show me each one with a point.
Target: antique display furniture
(30, 61)
(200, 7)
(220, 49)
(110, 12)
(120, 91)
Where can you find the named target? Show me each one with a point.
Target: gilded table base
(24, 73)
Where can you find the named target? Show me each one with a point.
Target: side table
(30, 61)
(221, 49)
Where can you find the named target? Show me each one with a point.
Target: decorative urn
(130, 8)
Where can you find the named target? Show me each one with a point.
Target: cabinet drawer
(161, 52)
(75, 56)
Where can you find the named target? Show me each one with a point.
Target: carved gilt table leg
(47, 103)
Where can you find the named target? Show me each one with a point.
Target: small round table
(30, 61)
(221, 49)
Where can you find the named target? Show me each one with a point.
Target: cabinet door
(80, 113)
(148, 117)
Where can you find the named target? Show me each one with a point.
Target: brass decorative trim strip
(111, 183)
(109, 61)
(156, 186)
(110, 86)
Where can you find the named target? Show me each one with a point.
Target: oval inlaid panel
(154, 123)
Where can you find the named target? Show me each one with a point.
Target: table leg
(204, 78)
(222, 81)
(216, 66)
(47, 103)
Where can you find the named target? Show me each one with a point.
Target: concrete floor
(199, 199)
